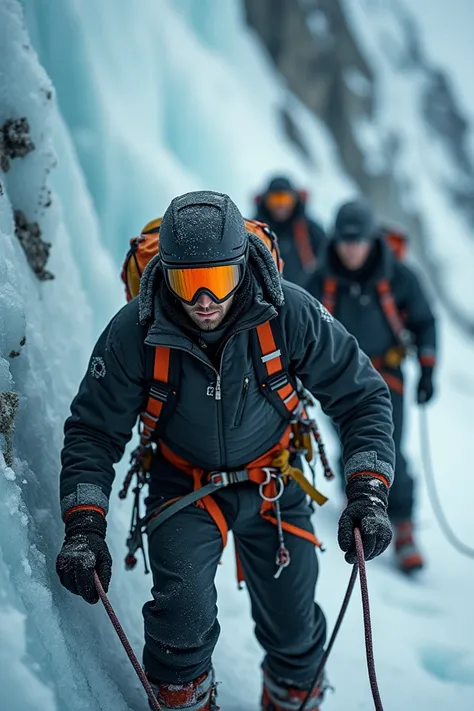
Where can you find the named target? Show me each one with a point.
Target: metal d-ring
(269, 474)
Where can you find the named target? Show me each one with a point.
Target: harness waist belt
(217, 481)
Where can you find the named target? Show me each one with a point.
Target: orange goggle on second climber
(219, 282)
(280, 199)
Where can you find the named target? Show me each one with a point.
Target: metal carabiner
(269, 473)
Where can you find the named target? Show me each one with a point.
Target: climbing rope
(433, 494)
(126, 644)
(359, 566)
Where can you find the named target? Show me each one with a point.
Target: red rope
(360, 565)
(126, 644)
(369, 649)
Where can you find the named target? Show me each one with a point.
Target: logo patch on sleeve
(325, 315)
(97, 368)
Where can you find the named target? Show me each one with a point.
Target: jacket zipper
(243, 398)
(218, 393)
(218, 385)
(220, 423)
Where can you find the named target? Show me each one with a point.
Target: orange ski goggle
(280, 199)
(219, 282)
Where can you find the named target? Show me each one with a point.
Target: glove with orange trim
(367, 499)
(84, 550)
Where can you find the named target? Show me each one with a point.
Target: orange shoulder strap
(158, 393)
(391, 312)
(277, 379)
(328, 298)
(303, 246)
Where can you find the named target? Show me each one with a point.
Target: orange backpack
(144, 247)
(396, 240)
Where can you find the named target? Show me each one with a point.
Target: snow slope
(125, 143)
(423, 164)
(447, 33)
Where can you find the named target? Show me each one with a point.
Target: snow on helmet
(203, 227)
(203, 246)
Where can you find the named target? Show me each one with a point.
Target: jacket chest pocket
(239, 413)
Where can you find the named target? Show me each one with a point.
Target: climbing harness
(445, 526)
(271, 471)
(358, 567)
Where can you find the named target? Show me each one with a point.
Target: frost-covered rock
(15, 141)
(35, 248)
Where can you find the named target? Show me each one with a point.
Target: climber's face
(353, 255)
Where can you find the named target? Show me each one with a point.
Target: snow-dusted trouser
(181, 626)
(400, 501)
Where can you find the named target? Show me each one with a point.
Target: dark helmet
(202, 227)
(280, 184)
(355, 222)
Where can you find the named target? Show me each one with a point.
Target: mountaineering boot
(407, 554)
(278, 696)
(197, 695)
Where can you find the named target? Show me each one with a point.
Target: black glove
(425, 385)
(84, 550)
(367, 499)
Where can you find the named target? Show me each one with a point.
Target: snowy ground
(57, 653)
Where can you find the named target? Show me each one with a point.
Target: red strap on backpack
(387, 303)
(391, 312)
(303, 246)
(328, 298)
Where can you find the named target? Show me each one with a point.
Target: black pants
(400, 502)
(181, 626)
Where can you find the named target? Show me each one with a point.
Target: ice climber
(211, 350)
(301, 240)
(379, 299)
